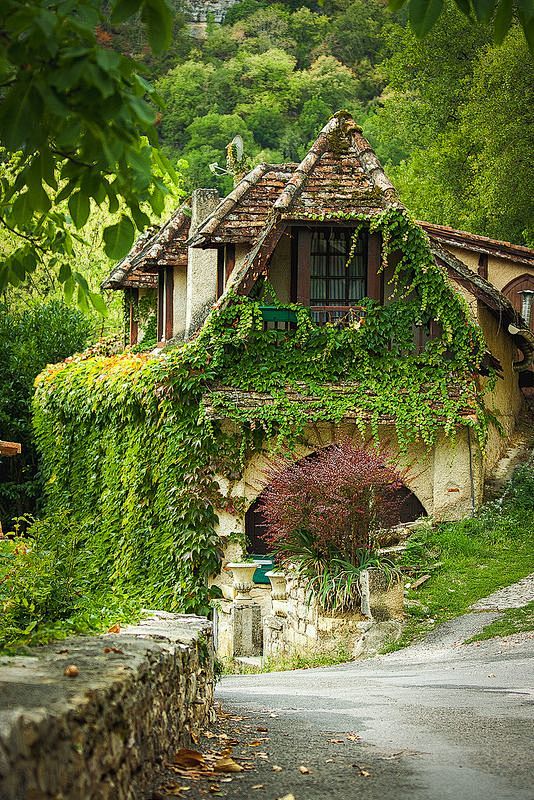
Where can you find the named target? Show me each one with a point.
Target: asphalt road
(438, 721)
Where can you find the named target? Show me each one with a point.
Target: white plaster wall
(179, 301)
(280, 268)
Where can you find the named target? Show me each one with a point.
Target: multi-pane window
(334, 279)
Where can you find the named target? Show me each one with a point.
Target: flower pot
(242, 574)
(278, 592)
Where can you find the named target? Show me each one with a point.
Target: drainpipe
(471, 478)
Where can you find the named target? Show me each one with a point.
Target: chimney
(201, 265)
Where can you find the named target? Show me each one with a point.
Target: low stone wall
(300, 625)
(131, 699)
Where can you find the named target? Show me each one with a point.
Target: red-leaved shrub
(339, 497)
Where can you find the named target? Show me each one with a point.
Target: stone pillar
(248, 633)
(201, 291)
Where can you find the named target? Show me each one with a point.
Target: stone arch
(318, 437)
(513, 289)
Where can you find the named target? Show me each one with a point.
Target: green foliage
(50, 586)
(129, 453)
(29, 340)
(77, 124)
(514, 620)
(425, 13)
(471, 559)
(454, 130)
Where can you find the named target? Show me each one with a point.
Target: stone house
(294, 225)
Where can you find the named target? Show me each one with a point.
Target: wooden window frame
(134, 321)
(161, 302)
(301, 264)
(169, 303)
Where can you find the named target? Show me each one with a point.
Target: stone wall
(298, 625)
(132, 699)
(199, 10)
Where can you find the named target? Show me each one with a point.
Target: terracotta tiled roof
(492, 298)
(479, 244)
(155, 248)
(339, 174)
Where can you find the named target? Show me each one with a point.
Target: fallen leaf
(113, 650)
(115, 628)
(262, 730)
(259, 786)
(353, 737)
(188, 759)
(71, 671)
(276, 768)
(304, 770)
(227, 764)
(226, 780)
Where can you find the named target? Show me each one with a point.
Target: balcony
(285, 319)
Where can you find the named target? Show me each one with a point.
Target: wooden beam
(374, 278)
(169, 302)
(161, 302)
(134, 321)
(230, 262)
(10, 448)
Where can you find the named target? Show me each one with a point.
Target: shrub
(29, 340)
(322, 514)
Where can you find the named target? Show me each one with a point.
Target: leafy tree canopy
(500, 13)
(77, 127)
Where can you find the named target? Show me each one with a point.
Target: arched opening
(520, 292)
(408, 504)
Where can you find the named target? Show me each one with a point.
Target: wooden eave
(450, 237)
(494, 300)
(10, 448)
(155, 248)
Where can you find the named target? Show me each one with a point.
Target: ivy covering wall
(130, 454)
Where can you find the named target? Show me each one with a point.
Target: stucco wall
(500, 270)
(137, 697)
(179, 301)
(446, 478)
(280, 268)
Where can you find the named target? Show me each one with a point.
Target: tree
(425, 13)
(77, 122)
(29, 340)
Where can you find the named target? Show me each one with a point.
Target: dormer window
(338, 278)
(333, 272)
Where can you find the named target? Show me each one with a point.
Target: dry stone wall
(131, 700)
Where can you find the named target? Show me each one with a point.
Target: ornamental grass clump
(323, 515)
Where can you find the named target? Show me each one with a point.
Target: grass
(289, 661)
(470, 559)
(515, 620)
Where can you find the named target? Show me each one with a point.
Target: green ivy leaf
(119, 238)
(79, 207)
(423, 15)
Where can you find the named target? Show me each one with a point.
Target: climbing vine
(131, 443)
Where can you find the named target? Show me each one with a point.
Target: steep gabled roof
(166, 246)
(340, 173)
(479, 244)
(492, 298)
